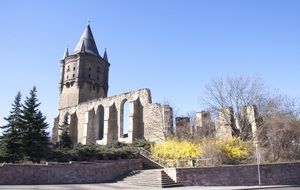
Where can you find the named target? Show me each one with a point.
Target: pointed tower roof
(82, 48)
(105, 56)
(66, 54)
(87, 42)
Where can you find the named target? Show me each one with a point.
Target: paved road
(112, 186)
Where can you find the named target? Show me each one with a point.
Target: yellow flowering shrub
(229, 151)
(236, 150)
(172, 149)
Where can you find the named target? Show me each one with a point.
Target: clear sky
(172, 47)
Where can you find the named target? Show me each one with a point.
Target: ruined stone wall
(243, 123)
(61, 173)
(184, 129)
(168, 120)
(154, 126)
(203, 126)
(225, 123)
(145, 119)
(138, 122)
(241, 175)
(249, 114)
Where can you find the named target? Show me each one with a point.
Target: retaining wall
(60, 173)
(271, 174)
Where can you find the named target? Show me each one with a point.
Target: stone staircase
(150, 178)
(149, 164)
(152, 174)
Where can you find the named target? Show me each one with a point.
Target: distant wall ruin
(203, 125)
(244, 123)
(227, 124)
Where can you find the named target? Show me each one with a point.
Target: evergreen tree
(65, 138)
(10, 147)
(34, 138)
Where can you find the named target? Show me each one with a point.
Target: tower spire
(87, 40)
(105, 56)
(66, 54)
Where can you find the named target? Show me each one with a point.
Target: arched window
(68, 85)
(125, 119)
(100, 117)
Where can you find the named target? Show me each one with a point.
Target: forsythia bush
(172, 149)
(229, 151)
(235, 150)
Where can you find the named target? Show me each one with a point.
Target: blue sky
(172, 47)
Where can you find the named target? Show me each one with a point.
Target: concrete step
(150, 178)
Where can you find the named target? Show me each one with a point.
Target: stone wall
(225, 123)
(61, 173)
(203, 125)
(184, 127)
(249, 119)
(146, 120)
(271, 174)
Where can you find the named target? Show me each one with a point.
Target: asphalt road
(112, 186)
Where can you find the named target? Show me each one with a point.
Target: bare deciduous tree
(277, 117)
(279, 136)
(237, 93)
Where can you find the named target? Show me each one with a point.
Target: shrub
(230, 151)
(172, 149)
(117, 150)
(60, 155)
(235, 151)
(142, 143)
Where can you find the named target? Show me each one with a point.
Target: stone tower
(84, 73)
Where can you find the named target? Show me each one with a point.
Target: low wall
(59, 173)
(271, 174)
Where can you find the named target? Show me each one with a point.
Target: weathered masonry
(95, 118)
(226, 122)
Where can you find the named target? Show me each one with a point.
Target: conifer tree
(65, 138)
(34, 138)
(10, 147)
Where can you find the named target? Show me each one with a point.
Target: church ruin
(91, 115)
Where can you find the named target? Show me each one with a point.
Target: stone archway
(99, 123)
(125, 113)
